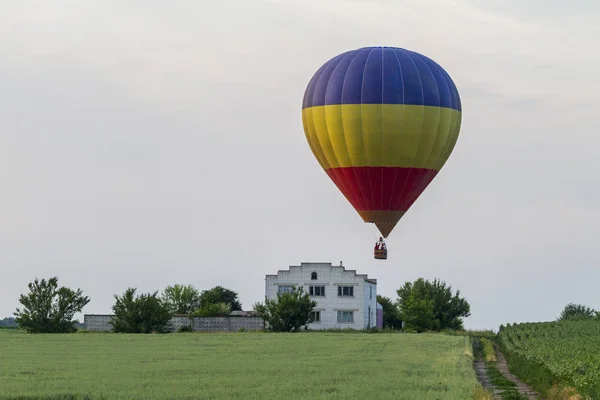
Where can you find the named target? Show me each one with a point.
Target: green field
(236, 366)
(566, 352)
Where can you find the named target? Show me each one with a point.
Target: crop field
(235, 366)
(565, 352)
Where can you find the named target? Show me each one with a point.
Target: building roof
(304, 265)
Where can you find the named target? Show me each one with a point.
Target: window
(345, 290)
(345, 317)
(370, 292)
(313, 276)
(316, 290)
(315, 316)
(285, 289)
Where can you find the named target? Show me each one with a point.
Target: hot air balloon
(381, 121)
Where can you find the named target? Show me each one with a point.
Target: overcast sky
(148, 143)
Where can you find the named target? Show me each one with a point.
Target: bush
(145, 313)
(390, 313)
(213, 310)
(289, 312)
(181, 299)
(48, 308)
(430, 306)
(185, 328)
(219, 294)
(577, 312)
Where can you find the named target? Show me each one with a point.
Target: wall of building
(370, 305)
(379, 316)
(330, 276)
(100, 323)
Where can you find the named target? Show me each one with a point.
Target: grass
(236, 366)
(488, 350)
(498, 380)
(482, 394)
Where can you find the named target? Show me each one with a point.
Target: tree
(578, 312)
(145, 313)
(48, 308)
(430, 306)
(219, 294)
(391, 317)
(8, 323)
(289, 312)
(213, 310)
(181, 299)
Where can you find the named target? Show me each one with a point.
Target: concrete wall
(179, 321)
(99, 323)
(228, 324)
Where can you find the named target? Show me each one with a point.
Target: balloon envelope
(381, 121)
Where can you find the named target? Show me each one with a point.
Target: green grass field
(236, 366)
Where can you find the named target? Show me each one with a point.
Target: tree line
(48, 308)
(421, 306)
(578, 312)
(8, 323)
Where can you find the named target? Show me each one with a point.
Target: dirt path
(481, 370)
(522, 387)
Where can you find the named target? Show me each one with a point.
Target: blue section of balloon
(382, 75)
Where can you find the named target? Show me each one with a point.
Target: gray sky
(148, 143)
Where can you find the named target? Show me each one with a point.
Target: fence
(231, 323)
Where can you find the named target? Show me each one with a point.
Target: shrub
(48, 308)
(289, 312)
(213, 310)
(145, 313)
(184, 328)
(181, 299)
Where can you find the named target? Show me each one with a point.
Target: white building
(344, 298)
